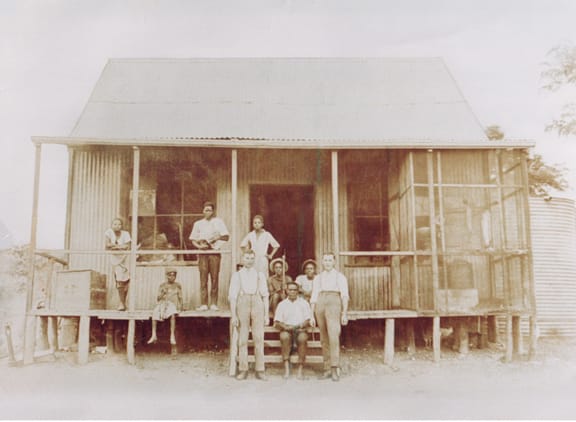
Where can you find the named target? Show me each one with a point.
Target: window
(174, 189)
(368, 210)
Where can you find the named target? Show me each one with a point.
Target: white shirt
(305, 283)
(293, 313)
(205, 229)
(121, 240)
(330, 281)
(247, 281)
(259, 243)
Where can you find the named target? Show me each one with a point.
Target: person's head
(117, 224)
(171, 275)
(328, 261)
(278, 266)
(248, 258)
(208, 210)
(292, 289)
(309, 268)
(258, 222)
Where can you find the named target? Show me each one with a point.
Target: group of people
(313, 299)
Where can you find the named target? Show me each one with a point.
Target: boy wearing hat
(168, 306)
(277, 282)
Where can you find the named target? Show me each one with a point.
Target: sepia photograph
(287, 210)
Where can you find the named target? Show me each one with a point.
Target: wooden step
(293, 359)
(276, 343)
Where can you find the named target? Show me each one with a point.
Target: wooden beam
(436, 338)
(517, 336)
(509, 340)
(410, 337)
(110, 344)
(67, 229)
(503, 236)
(389, 342)
(130, 353)
(463, 340)
(432, 219)
(234, 186)
(83, 340)
(133, 256)
(442, 222)
(412, 220)
(53, 325)
(533, 338)
(530, 262)
(30, 321)
(335, 212)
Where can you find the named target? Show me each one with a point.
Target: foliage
(543, 177)
(560, 72)
(494, 133)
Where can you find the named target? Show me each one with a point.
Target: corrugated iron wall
(554, 255)
(95, 200)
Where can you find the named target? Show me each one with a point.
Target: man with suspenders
(248, 296)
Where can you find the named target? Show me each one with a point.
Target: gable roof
(335, 99)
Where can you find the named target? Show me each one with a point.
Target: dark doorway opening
(288, 212)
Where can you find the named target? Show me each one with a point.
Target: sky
(53, 51)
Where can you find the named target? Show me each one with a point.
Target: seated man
(292, 318)
(277, 282)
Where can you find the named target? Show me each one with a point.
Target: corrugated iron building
(379, 160)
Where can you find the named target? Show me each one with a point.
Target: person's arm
(263, 288)
(180, 298)
(344, 296)
(233, 292)
(273, 243)
(110, 244)
(222, 233)
(313, 300)
(245, 244)
(161, 293)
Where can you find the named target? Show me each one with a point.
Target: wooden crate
(78, 290)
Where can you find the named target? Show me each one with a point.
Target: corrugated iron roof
(278, 98)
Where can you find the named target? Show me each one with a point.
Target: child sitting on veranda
(168, 306)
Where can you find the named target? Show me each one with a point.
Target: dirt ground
(195, 385)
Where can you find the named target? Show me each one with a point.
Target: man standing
(210, 233)
(292, 318)
(330, 305)
(248, 296)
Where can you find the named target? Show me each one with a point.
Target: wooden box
(78, 290)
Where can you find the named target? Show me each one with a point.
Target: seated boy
(168, 306)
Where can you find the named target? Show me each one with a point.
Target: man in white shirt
(292, 318)
(210, 233)
(248, 296)
(329, 303)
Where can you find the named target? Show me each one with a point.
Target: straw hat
(309, 261)
(275, 260)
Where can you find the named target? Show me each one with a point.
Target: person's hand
(266, 321)
(234, 321)
(312, 322)
(344, 319)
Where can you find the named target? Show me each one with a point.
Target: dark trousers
(328, 315)
(287, 341)
(209, 264)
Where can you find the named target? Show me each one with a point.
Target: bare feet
(152, 340)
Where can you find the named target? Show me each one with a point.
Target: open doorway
(288, 212)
